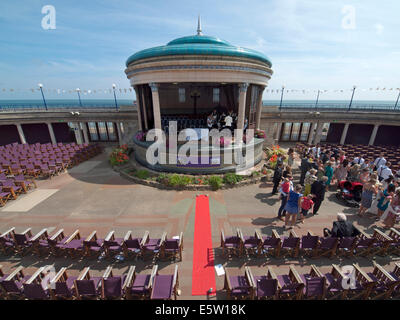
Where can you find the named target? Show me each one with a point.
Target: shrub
(119, 156)
(142, 174)
(215, 182)
(231, 178)
(199, 180)
(177, 180)
(255, 174)
(163, 178)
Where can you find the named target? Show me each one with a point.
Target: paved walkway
(93, 197)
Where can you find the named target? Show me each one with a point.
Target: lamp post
(79, 96)
(115, 97)
(316, 102)
(280, 105)
(44, 100)
(351, 100)
(397, 101)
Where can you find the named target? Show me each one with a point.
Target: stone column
(118, 125)
(146, 125)
(21, 133)
(373, 135)
(311, 133)
(78, 133)
(318, 132)
(278, 130)
(259, 107)
(139, 113)
(156, 105)
(344, 133)
(52, 135)
(242, 105)
(85, 132)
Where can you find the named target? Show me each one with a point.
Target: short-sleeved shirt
(228, 121)
(307, 203)
(294, 198)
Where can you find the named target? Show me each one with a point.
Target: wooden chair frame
(61, 276)
(294, 278)
(85, 275)
(165, 255)
(175, 284)
(316, 273)
(294, 252)
(228, 252)
(250, 286)
(138, 254)
(8, 234)
(269, 275)
(276, 251)
(395, 235)
(384, 242)
(383, 278)
(365, 281)
(250, 251)
(367, 251)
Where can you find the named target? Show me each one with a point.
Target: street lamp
(351, 100)
(280, 105)
(79, 96)
(316, 102)
(41, 90)
(115, 97)
(397, 101)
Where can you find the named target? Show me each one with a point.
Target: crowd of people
(223, 120)
(321, 169)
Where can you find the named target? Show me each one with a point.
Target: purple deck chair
(396, 275)
(13, 284)
(132, 247)
(346, 246)
(385, 283)
(265, 286)
(334, 279)
(7, 244)
(327, 246)
(364, 245)
(239, 287)
(165, 287)
(93, 246)
(73, 246)
(172, 248)
(33, 289)
(363, 285)
(251, 244)
(141, 284)
(315, 288)
(87, 287)
(112, 245)
(291, 245)
(22, 241)
(152, 248)
(271, 244)
(291, 284)
(232, 245)
(116, 287)
(309, 245)
(62, 286)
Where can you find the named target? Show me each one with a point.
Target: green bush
(142, 174)
(163, 178)
(215, 182)
(231, 178)
(177, 180)
(255, 174)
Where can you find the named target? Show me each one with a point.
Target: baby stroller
(350, 193)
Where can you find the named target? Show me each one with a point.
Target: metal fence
(336, 106)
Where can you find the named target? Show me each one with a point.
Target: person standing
(284, 192)
(380, 161)
(341, 171)
(328, 173)
(384, 171)
(309, 180)
(277, 177)
(318, 189)
(293, 206)
(304, 167)
(369, 189)
(290, 157)
(385, 199)
(306, 205)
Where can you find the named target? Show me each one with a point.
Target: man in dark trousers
(304, 167)
(277, 177)
(341, 228)
(318, 189)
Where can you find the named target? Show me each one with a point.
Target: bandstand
(189, 78)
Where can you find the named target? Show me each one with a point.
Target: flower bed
(119, 156)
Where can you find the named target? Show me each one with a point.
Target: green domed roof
(198, 45)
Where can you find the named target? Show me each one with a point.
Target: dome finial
(199, 33)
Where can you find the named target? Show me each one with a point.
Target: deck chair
(4, 197)
(33, 289)
(115, 287)
(59, 240)
(309, 245)
(365, 245)
(385, 283)
(251, 244)
(314, 284)
(239, 287)
(346, 246)
(172, 248)
(22, 244)
(39, 242)
(7, 244)
(112, 245)
(271, 245)
(290, 245)
(93, 247)
(141, 285)
(86, 286)
(334, 288)
(132, 247)
(231, 245)
(265, 287)
(152, 247)
(73, 247)
(394, 247)
(327, 246)
(396, 275)
(165, 287)
(363, 285)
(13, 284)
(62, 286)
(8, 192)
(291, 285)
(382, 243)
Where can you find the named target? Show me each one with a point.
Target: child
(306, 205)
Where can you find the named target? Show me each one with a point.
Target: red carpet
(203, 275)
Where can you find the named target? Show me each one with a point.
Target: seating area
(75, 246)
(110, 286)
(184, 121)
(310, 245)
(21, 164)
(391, 153)
(378, 284)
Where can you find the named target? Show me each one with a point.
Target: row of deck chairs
(91, 246)
(12, 186)
(336, 284)
(41, 286)
(310, 245)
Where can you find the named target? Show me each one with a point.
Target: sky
(312, 44)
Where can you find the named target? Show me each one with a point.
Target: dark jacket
(277, 174)
(318, 188)
(305, 165)
(344, 229)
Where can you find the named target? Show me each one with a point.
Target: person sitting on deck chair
(341, 228)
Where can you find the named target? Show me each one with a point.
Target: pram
(350, 193)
